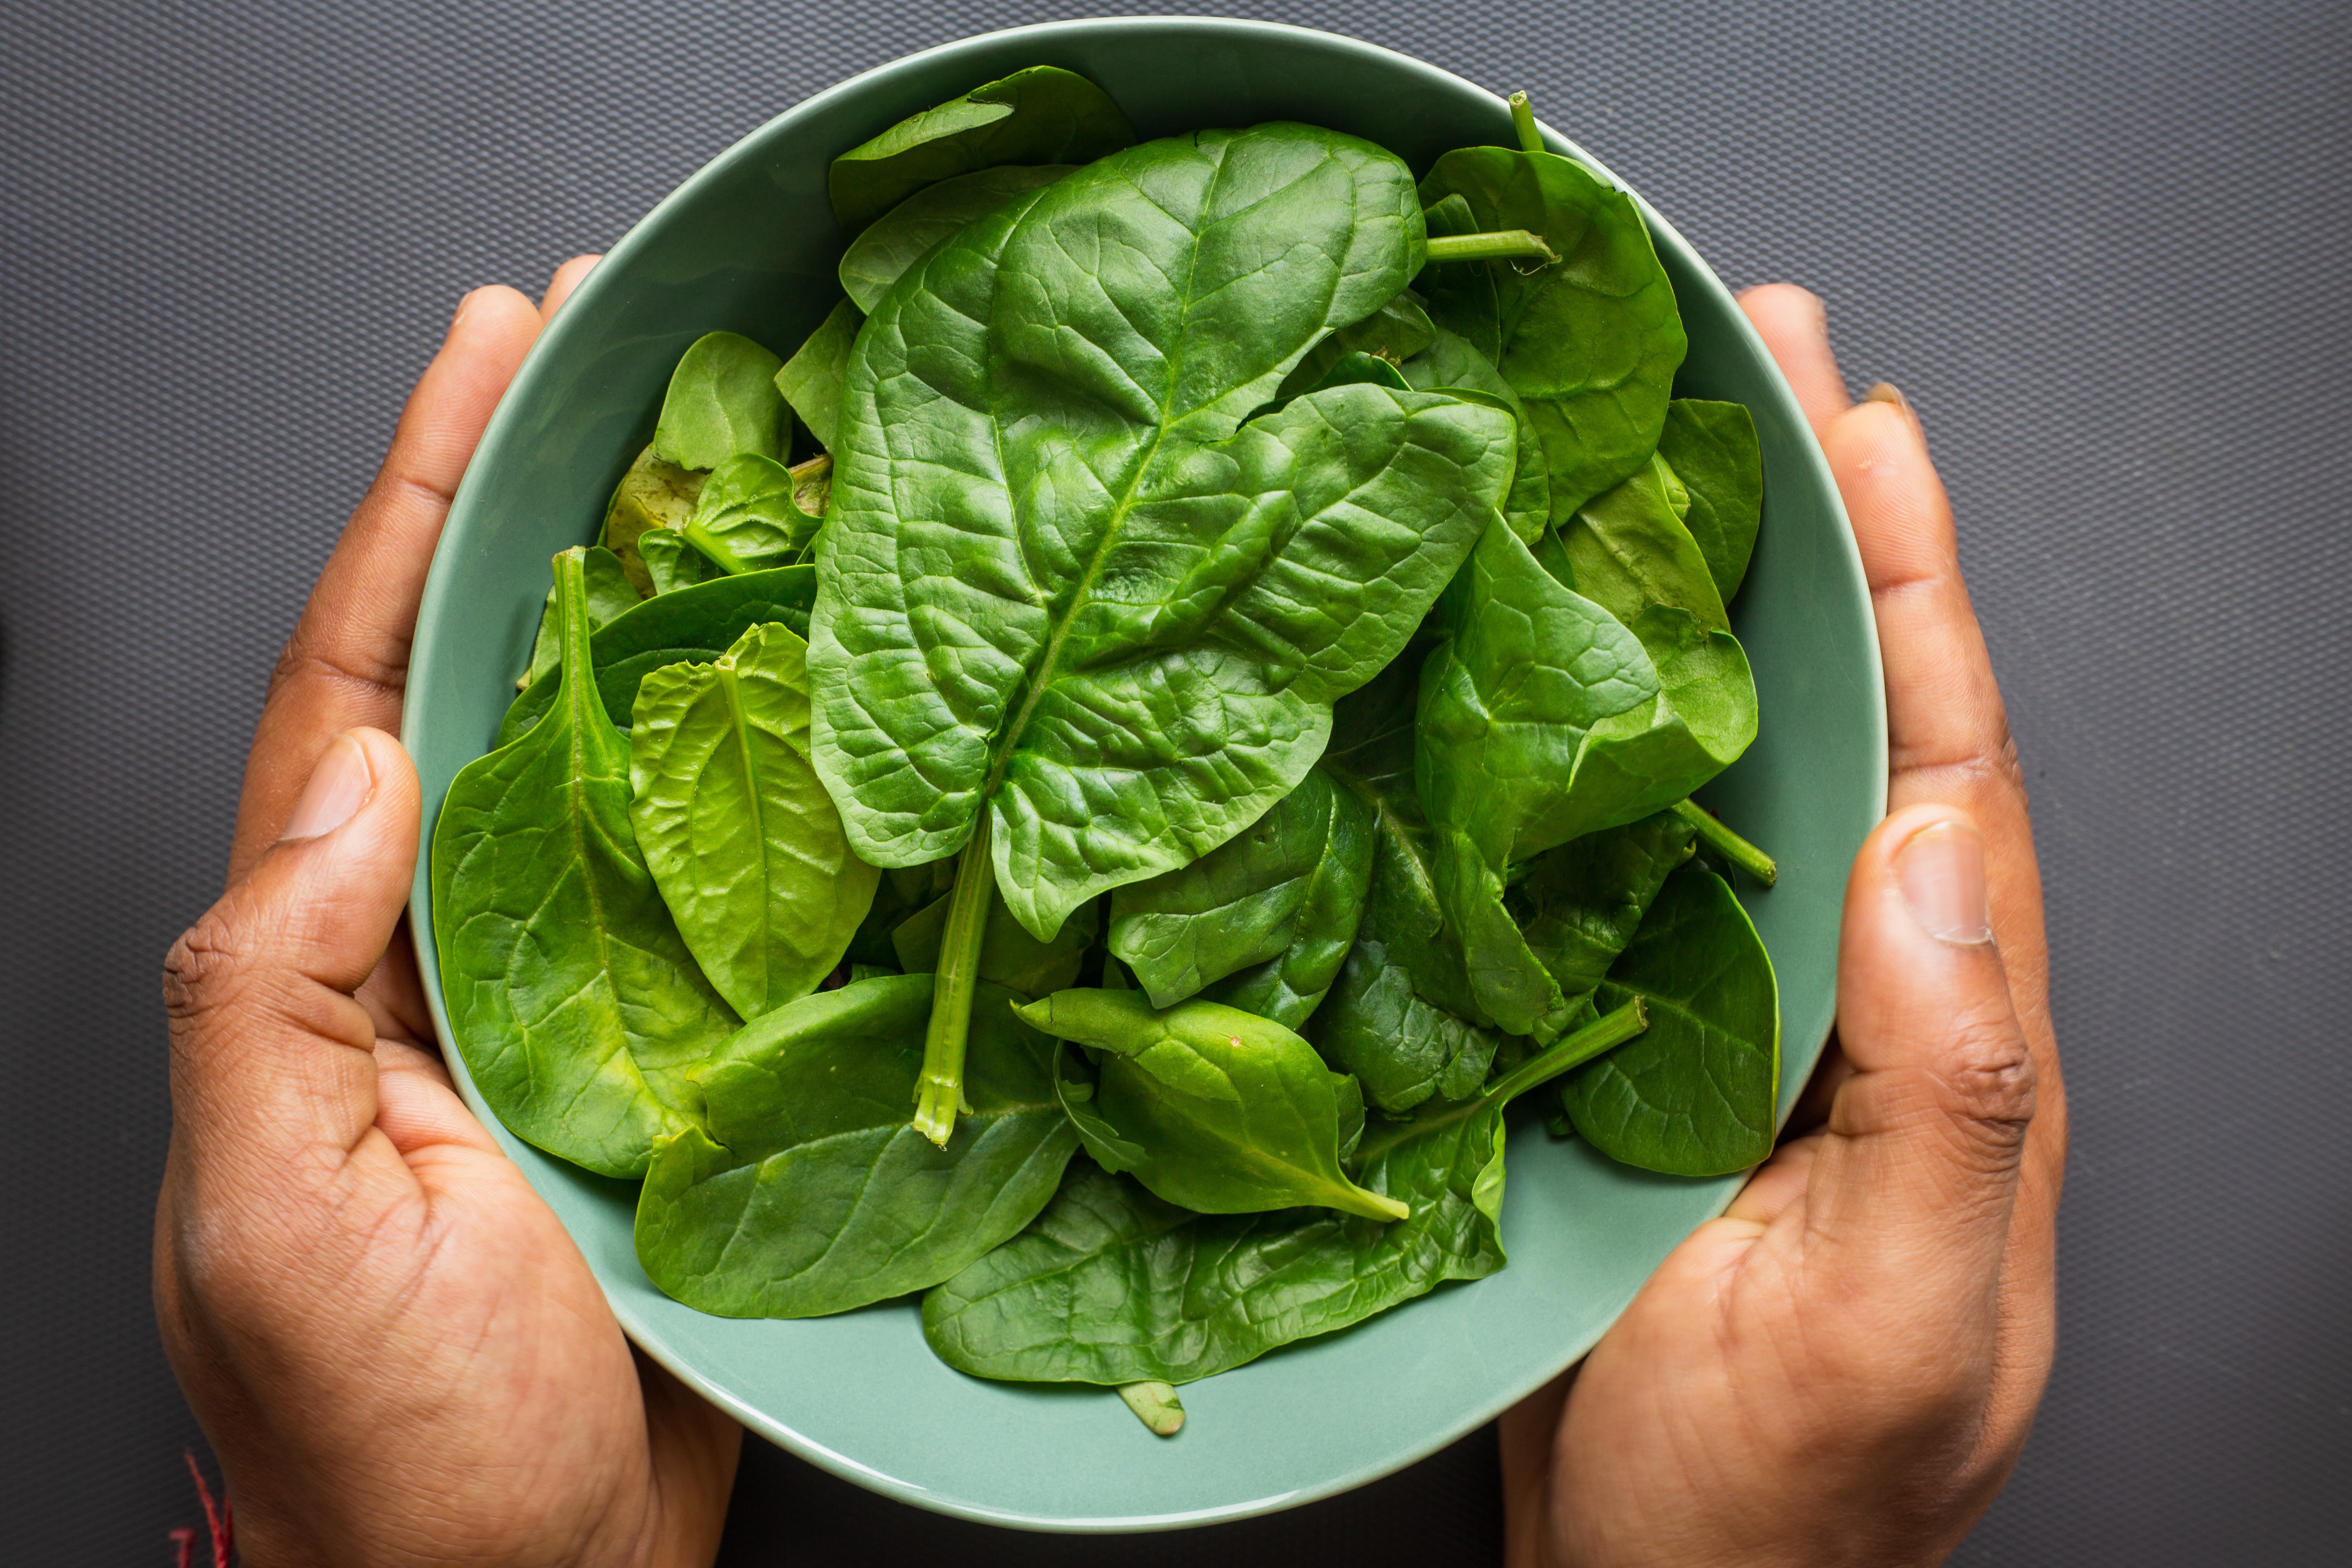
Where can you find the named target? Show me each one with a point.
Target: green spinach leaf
(1713, 447)
(672, 562)
(879, 256)
(740, 837)
(1591, 344)
(1008, 956)
(1395, 333)
(1579, 905)
(1448, 363)
(1042, 115)
(748, 517)
(811, 380)
(722, 400)
(1111, 1285)
(575, 1004)
(810, 1193)
(1210, 1107)
(1291, 887)
(1697, 1095)
(693, 625)
(1628, 550)
(610, 594)
(1075, 616)
(653, 497)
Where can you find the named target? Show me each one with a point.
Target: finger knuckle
(202, 969)
(1989, 1082)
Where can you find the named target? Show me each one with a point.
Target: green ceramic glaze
(749, 245)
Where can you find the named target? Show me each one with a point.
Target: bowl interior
(749, 244)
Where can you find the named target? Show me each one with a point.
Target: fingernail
(337, 787)
(1887, 392)
(1941, 870)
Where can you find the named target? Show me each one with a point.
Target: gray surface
(2101, 246)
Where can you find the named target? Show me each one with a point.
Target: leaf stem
(1156, 1405)
(1727, 844)
(1523, 119)
(717, 553)
(939, 1093)
(1497, 245)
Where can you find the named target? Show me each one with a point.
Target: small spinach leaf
(672, 562)
(722, 400)
(693, 625)
(1111, 1285)
(1697, 1095)
(1713, 447)
(574, 1003)
(1579, 905)
(879, 256)
(1628, 550)
(1210, 1107)
(1395, 333)
(1590, 344)
(610, 594)
(748, 517)
(652, 496)
(740, 836)
(810, 1193)
(1042, 115)
(1297, 874)
(1008, 956)
(811, 380)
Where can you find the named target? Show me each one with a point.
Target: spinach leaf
(1449, 361)
(748, 517)
(693, 625)
(672, 562)
(574, 1003)
(1075, 617)
(1395, 333)
(1111, 1285)
(652, 496)
(740, 837)
(1695, 1096)
(1628, 550)
(810, 1193)
(610, 593)
(1210, 1107)
(811, 380)
(879, 256)
(1042, 115)
(1008, 956)
(722, 400)
(1298, 875)
(1579, 905)
(1713, 447)
(1590, 344)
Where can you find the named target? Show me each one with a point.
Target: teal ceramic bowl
(749, 244)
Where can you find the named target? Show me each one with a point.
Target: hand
(396, 1351)
(1842, 1368)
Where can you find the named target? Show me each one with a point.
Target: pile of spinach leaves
(1088, 789)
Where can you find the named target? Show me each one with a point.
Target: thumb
(1918, 1172)
(271, 1056)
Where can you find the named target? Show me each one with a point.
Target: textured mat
(2101, 245)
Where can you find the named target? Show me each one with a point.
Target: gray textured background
(2102, 246)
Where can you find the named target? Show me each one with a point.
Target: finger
(1778, 1182)
(568, 276)
(1795, 327)
(696, 1447)
(1524, 1434)
(1916, 1175)
(273, 1065)
(347, 662)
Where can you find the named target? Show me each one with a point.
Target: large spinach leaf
(610, 596)
(1210, 1107)
(1111, 1285)
(740, 837)
(1042, 115)
(1449, 361)
(574, 1003)
(1713, 447)
(811, 380)
(879, 256)
(1075, 616)
(1697, 1095)
(1289, 887)
(723, 399)
(1590, 344)
(810, 1193)
(693, 625)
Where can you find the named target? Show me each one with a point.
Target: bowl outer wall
(748, 243)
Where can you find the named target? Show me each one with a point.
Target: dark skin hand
(1843, 1368)
(396, 1351)
(401, 1357)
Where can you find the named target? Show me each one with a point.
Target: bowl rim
(524, 390)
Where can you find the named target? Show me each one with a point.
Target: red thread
(220, 1522)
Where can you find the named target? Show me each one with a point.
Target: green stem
(1500, 244)
(1604, 1034)
(939, 1093)
(1727, 844)
(1523, 119)
(1156, 1405)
